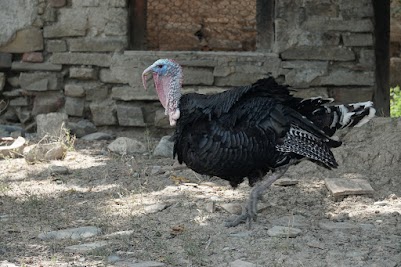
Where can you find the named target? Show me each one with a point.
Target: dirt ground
(186, 228)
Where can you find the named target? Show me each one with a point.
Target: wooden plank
(265, 24)
(137, 24)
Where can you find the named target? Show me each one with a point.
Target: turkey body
(248, 131)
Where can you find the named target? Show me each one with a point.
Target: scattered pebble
(282, 231)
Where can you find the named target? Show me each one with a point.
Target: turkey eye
(160, 66)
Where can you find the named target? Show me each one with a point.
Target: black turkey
(250, 131)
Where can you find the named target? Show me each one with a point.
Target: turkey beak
(146, 76)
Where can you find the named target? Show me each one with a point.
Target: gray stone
(24, 66)
(13, 81)
(164, 148)
(130, 115)
(223, 71)
(2, 81)
(124, 146)
(19, 101)
(97, 59)
(56, 46)
(24, 115)
(128, 93)
(47, 102)
(155, 208)
(106, 76)
(95, 91)
(241, 263)
(302, 73)
(161, 120)
(286, 182)
(324, 24)
(5, 60)
(86, 247)
(39, 81)
(51, 124)
(74, 90)
(83, 73)
(26, 40)
(82, 128)
(343, 77)
(233, 208)
(198, 76)
(71, 22)
(127, 263)
(97, 136)
(71, 233)
(284, 231)
(98, 44)
(74, 106)
(352, 95)
(318, 53)
(7, 264)
(85, 3)
(343, 187)
(238, 79)
(117, 3)
(15, 16)
(103, 113)
(358, 39)
(58, 170)
(44, 152)
(341, 226)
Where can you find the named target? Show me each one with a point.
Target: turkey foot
(249, 211)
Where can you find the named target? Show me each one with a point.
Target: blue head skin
(167, 76)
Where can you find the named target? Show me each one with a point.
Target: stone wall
(72, 56)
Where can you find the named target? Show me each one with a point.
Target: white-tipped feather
(365, 119)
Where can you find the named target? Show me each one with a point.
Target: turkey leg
(250, 209)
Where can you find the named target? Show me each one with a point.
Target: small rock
(286, 182)
(97, 136)
(156, 170)
(380, 203)
(82, 128)
(316, 245)
(124, 146)
(44, 152)
(344, 187)
(210, 207)
(71, 233)
(282, 231)
(164, 148)
(342, 226)
(232, 208)
(155, 208)
(241, 263)
(85, 248)
(58, 170)
(120, 233)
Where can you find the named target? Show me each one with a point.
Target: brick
(358, 39)
(130, 115)
(97, 59)
(47, 103)
(98, 44)
(103, 113)
(26, 40)
(39, 81)
(127, 93)
(74, 90)
(85, 3)
(83, 73)
(106, 76)
(351, 95)
(71, 22)
(95, 91)
(343, 77)
(322, 24)
(198, 76)
(19, 101)
(36, 57)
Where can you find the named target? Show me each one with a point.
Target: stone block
(358, 39)
(117, 3)
(39, 81)
(318, 53)
(95, 91)
(47, 103)
(302, 73)
(26, 40)
(343, 187)
(106, 76)
(395, 70)
(238, 79)
(19, 101)
(198, 76)
(97, 59)
(351, 95)
(56, 46)
(24, 66)
(74, 106)
(323, 24)
(129, 114)
(98, 44)
(36, 57)
(57, 3)
(127, 93)
(5, 60)
(367, 58)
(74, 90)
(71, 22)
(161, 119)
(51, 124)
(343, 77)
(311, 92)
(83, 73)
(2, 81)
(85, 3)
(103, 113)
(113, 21)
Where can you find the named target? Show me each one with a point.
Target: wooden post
(264, 25)
(381, 95)
(137, 24)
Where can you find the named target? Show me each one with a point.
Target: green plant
(395, 101)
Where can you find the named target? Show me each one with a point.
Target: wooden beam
(381, 94)
(264, 25)
(137, 24)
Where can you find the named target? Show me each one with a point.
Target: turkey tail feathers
(352, 115)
